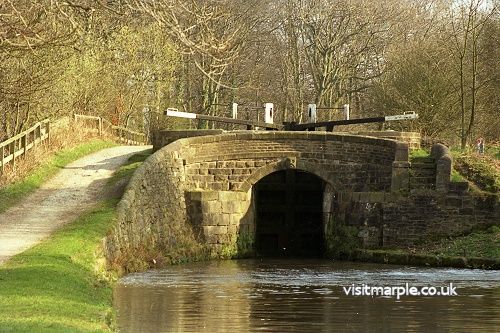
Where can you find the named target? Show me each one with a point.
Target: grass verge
(126, 171)
(13, 193)
(57, 286)
(482, 243)
(416, 153)
(61, 285)
(482, 170)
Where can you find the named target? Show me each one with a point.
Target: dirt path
(73, 190)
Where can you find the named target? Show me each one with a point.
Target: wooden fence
(18, 146)
(102, 126)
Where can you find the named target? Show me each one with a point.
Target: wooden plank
(129, 131)
(122, 134)
(24, 143)
(331, 124)
(82, 116)
(30, 145)
(18, 136)
(19, 145)
(2, 158)
(18, 153)
(223, 119)
(7, 159)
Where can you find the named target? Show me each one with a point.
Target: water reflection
(302, 296)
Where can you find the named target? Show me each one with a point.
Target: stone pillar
(442, 156)
(400, 181)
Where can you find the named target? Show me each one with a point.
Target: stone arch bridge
(221, 195)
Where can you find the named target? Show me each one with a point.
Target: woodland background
(128, 60)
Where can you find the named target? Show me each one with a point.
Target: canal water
(304, 296)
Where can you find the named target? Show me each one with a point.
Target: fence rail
(19, 145)
(103, 125)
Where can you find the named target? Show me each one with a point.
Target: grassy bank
(481, 170)
(61, 284)
(482, 244)
(480, 249)
(125, 172)
(57, 286)
(13, 193)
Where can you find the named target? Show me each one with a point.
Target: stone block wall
(163, 138)
(151, 219)
(394, 220)
(411, 138)
(229, 162)
(225, 219)
(191, 199)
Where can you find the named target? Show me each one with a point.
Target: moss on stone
(341, 240)
(245, 245)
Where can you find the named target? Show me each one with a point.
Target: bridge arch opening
(289, 214)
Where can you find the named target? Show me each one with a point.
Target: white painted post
(235, 110)
(311, 109)
(346, 111)
(269, 113)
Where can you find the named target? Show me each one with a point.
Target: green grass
(481, 171)
(419, 153)
(58, 285)
(127, 170)
(478, 244)
(12, 194)
(493, 151)
(456, 176)
(484, 244)
(61, 285)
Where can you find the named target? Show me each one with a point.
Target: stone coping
(286, 135)
(386, 257)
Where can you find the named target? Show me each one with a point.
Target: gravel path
(73, 190)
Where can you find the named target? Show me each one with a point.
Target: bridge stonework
(193, 198)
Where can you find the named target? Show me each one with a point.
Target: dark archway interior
(289, 215)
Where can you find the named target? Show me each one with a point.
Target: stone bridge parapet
(193, 199)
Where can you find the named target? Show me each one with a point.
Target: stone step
(422, 180)
(423, 173)
(422, 160)
(458, 187)
(422, 186)
(419, 165)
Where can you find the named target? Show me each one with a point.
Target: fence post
(24, 140)
(13, 152)
(235, 110)
(35, 136)
(3, 158)
(48, 131)
(312, 113)
(100, 126)
(346, 111)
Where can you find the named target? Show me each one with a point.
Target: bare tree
(468, 22)
(210, 34)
